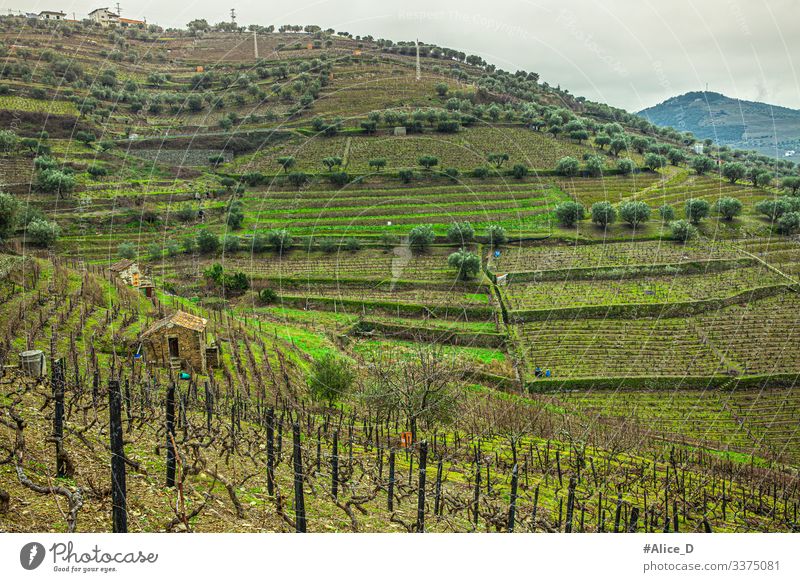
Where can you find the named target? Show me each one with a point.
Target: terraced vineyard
(619, 377)
(519, 259)
(644, 290)
(618, 348)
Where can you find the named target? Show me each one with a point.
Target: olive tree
(567, 166)
(634, 212)
(729, 207)
(460, 232)
(682, 230)
(697, 209)
(603, 213)
(569, 213)
(43, 233)
(466, 264)
(733, 171)
(330, 378)
(9, 209)
(421, 237)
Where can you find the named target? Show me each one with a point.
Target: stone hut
(177, 341)
(127, 271)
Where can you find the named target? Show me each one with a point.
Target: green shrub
(186, 214)
(626, 166)
(421, 237)
(330, 378)
(595, 165)
(729, 207)
(603, 213)
(789, 223)
(451, 173)
(298, 179)
(428, 162)
(43, 233)
(519, 171)
(480, 173)
(496, 235)
(682, 230)
(405, 176)
(280, 240)
(634, 212)
(154, 251)
(568, 166)
(667, 213)
(267, 296)
(696, 209)
(466, 264)
(773, 209)
(460, 232)
(207, 242)
(339, 178)
(569, 213)
(235, 215)
(231, 243)
(9, 210)
(55, 181)
(96, 170)
(352, 244)
(126, 250)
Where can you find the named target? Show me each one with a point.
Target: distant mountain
(769, 129)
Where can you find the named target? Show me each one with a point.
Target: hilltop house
(51, 15)
(104, 17)
(127, 271)
(131, 23)
(177, 341)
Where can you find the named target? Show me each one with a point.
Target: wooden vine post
(299, 502)
(423, 464)
(58, 381)
(271, 451)
(119, 511)
(170, 435)
(391, 480)
(335, 466)
(512, 506)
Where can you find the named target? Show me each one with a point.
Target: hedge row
(664, 383)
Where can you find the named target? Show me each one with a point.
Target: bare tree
(419, 383)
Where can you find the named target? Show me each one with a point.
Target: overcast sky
(628, 53)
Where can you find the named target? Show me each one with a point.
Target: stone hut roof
(180, 319)
(121, 265)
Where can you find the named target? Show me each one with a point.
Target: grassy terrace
(465, 150)
(649, 290)
(585, 348)
(399, 264)
(613, 255)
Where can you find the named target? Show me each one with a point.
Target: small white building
(51, 15)
(698, 149)
(104, 17)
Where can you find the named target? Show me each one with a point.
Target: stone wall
(191, 348)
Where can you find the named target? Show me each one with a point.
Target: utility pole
(233, 15)
(419, 74)
(119, 10)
